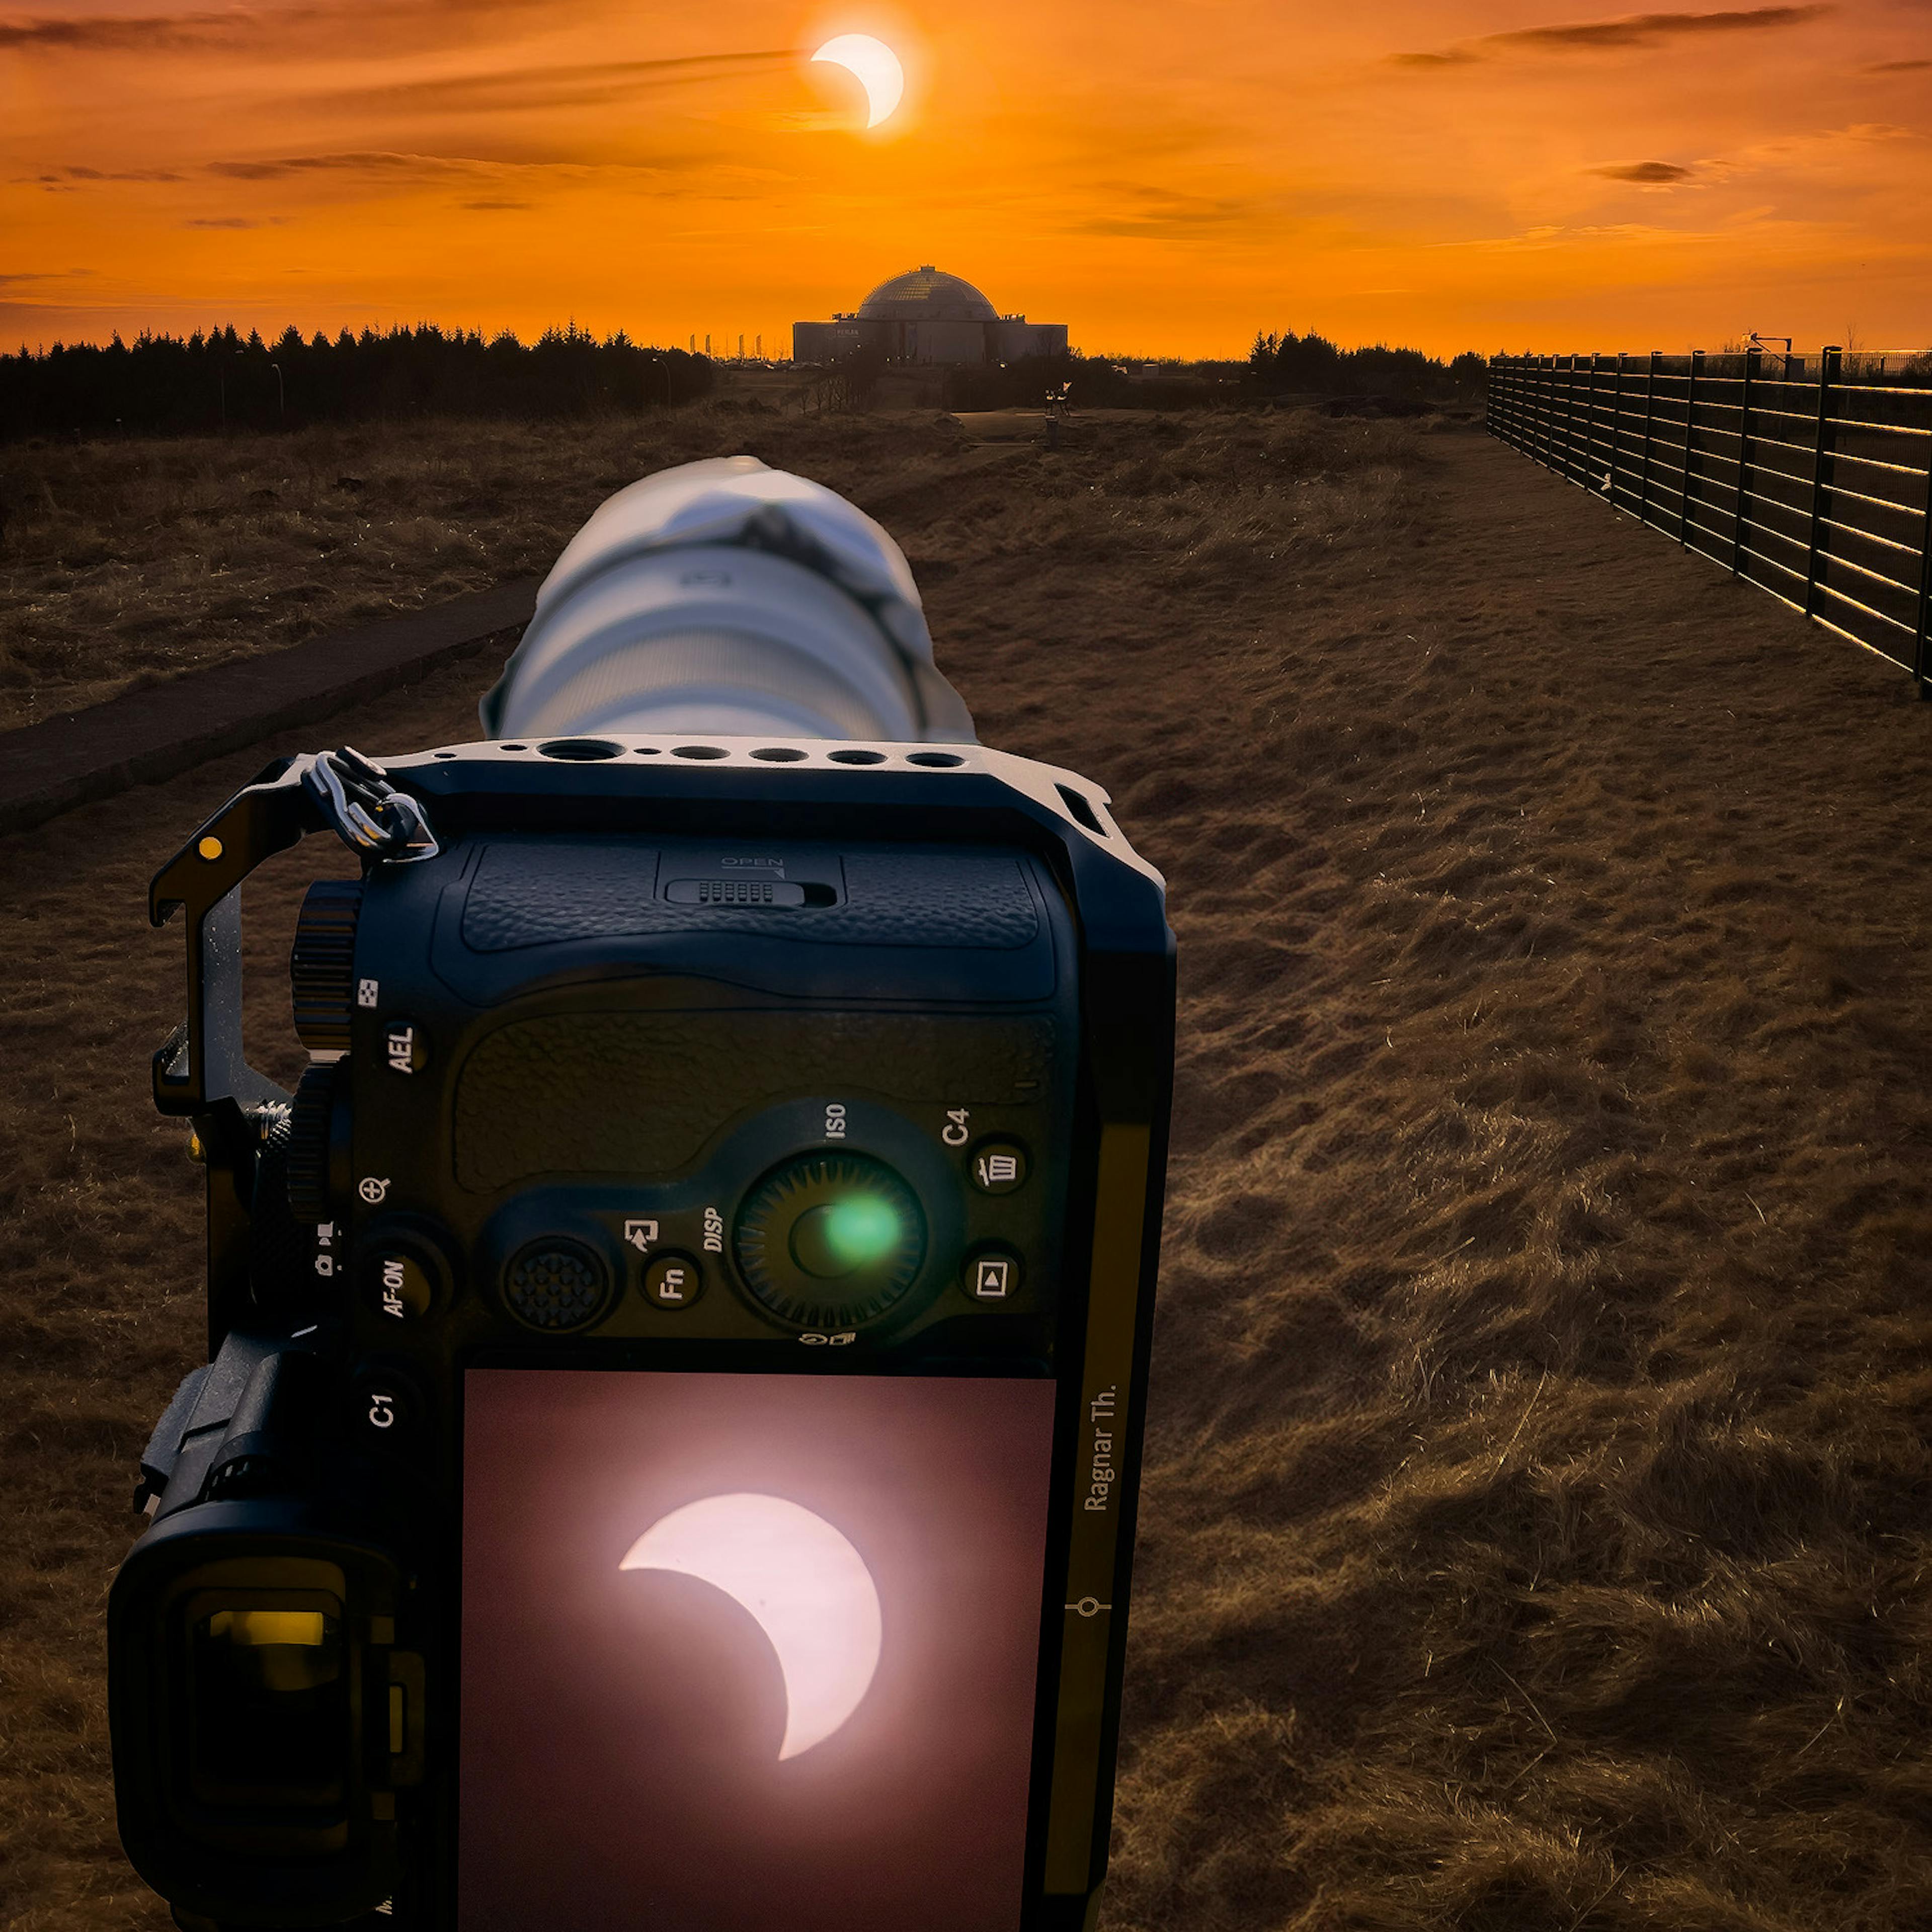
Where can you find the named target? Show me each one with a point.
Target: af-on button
(402, 1278)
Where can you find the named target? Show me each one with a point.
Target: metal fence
(1809, 476)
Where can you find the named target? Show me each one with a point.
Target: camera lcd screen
(748, 1651)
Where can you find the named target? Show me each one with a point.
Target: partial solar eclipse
(876, 66)
(808, 1588)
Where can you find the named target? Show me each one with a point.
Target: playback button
(992, 1274)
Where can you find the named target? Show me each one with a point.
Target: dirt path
(1536, 1522)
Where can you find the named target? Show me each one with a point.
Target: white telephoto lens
(728, 598)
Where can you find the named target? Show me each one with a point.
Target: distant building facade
(926, 315)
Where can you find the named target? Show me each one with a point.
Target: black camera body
(760, 1146)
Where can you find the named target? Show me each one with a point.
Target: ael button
(405, 1047)
(999, 1166)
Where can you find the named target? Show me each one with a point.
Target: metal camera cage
(395, 812)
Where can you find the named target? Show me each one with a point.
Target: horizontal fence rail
(1808, 476)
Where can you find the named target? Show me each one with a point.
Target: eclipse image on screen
(747, 1651)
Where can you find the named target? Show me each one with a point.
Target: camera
(667, 1456)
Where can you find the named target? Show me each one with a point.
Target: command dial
(322, 965)
(829, 1241)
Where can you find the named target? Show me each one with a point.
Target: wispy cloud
(486, 206)
(1629, 30)
(235, 221)
(113, 32)
(367, 161)
(106, 175)
(1646, 172)
(1900, 67)
(1565, 235)
(578, 84)
(667, 177)
(1136, 209)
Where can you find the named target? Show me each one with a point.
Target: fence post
(1821, 467)
(1739, 519)
(1689, 440)
(1616, 430)
(1924, 644)
(1589, 416)
(1643, 474)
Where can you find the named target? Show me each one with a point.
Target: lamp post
(221, 383)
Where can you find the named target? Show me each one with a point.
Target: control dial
(322, 964)
(307, 1149)
(830, 1240)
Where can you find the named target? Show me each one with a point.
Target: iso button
(673, 1281)
(998, 1167)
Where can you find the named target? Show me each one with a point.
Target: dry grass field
(124, 562)
(1538, 1518)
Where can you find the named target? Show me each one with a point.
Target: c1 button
(405, 1047)
(673, 1281)
(994, 1274)
(385, 1408)
(999, 1166)
(398, 1286)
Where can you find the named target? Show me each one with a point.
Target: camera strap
(368, 814)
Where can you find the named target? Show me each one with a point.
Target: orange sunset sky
(1164, 179)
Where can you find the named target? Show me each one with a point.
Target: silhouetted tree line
(1288, 364)
(162, 384)
(1277, 365)
(1091, 381)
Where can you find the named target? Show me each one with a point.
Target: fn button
(673, 1281)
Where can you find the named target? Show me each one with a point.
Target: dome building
(927, 316)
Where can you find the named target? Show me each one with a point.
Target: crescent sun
(876, 66)
(808, 1588)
